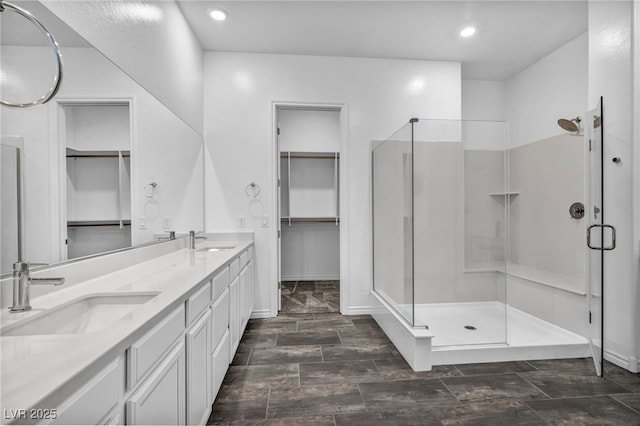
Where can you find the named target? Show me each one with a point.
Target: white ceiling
(511, 35)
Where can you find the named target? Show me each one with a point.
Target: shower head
(572, 125)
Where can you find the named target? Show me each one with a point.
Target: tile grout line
(449, 390)
(266, 411)
(534, 386)
(623, 403)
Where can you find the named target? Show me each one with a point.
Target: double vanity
(143, 336)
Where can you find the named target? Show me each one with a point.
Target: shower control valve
(577, 210)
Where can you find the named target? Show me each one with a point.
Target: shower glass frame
(428, 243)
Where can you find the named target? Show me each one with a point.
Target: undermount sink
(88, 314)
(208, 249)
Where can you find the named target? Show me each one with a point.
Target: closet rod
(72, 224)
(302, 220)
(330, 157)
(97, 156)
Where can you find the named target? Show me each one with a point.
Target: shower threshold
(447, 341)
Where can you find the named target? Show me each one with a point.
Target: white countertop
(35, 368)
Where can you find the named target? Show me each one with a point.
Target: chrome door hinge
(278, 183)
(278, 131)
(589, 144)
(278, 233)
(279, 285)
(589, 317)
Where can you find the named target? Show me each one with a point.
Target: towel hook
(252, 190)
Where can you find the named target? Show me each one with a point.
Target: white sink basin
(208, 249)
(88, 314)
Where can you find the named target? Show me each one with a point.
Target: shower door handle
(613, 237)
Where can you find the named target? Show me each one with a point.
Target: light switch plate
(242, 221)
(142, 223)
(264, 221)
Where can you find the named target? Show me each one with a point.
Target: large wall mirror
(102, 166)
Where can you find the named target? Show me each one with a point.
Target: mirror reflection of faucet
(22, 282)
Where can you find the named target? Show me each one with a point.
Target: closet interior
(97, 141)
(309, 149)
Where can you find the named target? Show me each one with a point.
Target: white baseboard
(261, 313)
(358, 310)
(627, 363)
(312, 278)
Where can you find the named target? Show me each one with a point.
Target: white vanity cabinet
(173, 372)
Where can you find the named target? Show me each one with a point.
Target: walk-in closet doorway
(310, 187)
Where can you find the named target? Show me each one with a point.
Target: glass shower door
(600, 236)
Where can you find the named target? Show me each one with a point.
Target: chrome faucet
(22, 282)
(171, 236)
(192, 239)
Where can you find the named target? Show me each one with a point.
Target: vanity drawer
(198, 302)
(244, 259)
(220, 282)
(234, 268)
(220, 310)
(93, 403)
(148, 350)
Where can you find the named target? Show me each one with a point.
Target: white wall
(484, 100)
(636, 165)
(610, 76)
(165, 150)
(552, 88)
(150, 41)
(381, 96)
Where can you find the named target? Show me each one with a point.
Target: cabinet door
(97, 400)
(220, 361)
(242, 298)
(249, 285)
(220, 310)
(160, 400)
(198, 370)
(234, 318)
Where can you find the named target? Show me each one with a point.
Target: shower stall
(475, 255)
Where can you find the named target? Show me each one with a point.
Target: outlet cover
(242, 222)
(142, 223)
(264, 221)
(166, 223)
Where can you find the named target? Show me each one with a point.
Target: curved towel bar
(4, 5)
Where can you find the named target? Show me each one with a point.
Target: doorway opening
(309, 140)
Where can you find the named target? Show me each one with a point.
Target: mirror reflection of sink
(91, 313)
(209, 249)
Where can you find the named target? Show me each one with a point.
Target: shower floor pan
(447, 341)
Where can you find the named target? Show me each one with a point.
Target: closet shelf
(502, 194)
(76, 153)
(297, 154)
(79, 223)
(330, 219)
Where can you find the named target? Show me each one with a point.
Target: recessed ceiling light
(218, 14)
(468, 32)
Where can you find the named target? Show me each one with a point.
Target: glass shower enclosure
(440, 208)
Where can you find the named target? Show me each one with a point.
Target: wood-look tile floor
(310, 296)
(329, 369)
